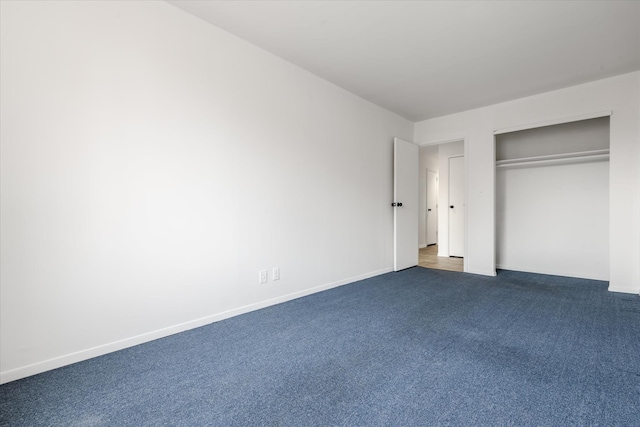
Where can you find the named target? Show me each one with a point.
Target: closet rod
(555, 159)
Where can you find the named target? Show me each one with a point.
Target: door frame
(465, 140)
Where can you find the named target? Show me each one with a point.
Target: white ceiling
(423, 59)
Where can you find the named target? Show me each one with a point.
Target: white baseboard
(623, 290)
(68, 359)
(424, 245)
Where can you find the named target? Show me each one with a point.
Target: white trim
(494, 232)
(623, 290)
(552, 122)
(68, 359)
(443, 141)
(424, 245)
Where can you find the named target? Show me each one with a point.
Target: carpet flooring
(415, 348)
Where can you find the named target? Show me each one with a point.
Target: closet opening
(552, 199)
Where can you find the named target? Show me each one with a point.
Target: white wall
(428, 161)
(153, 164)
(618, 94)
(554, 219)
(567, 138)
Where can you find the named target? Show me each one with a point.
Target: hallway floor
(428, 258)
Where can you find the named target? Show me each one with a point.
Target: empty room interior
(220, 213)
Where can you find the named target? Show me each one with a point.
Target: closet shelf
(555, 159)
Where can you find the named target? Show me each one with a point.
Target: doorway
(442, 184)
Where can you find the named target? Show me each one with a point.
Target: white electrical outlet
(263, 276)
(276, 273)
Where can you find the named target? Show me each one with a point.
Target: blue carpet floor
(415, 348)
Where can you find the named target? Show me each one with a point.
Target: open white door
(405, 204)
(456, 206)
